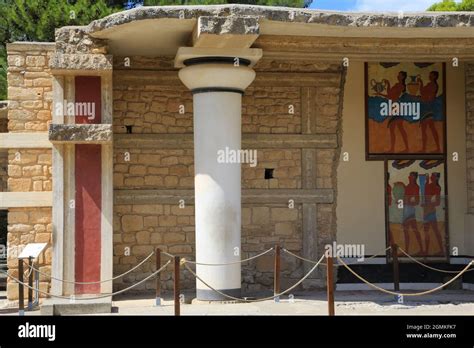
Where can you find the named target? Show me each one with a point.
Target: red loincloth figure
(410, 201)
(432, 201)
(428, 94)
(394, 93)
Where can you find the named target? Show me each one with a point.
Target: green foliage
(36, 20)
(288, 3)
(451, 5)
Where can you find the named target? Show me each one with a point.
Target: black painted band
(216, 60)
(216, 89)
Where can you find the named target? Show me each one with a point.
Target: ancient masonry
(142, 175)
(154, 102)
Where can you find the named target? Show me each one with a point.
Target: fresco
(405, 109)
(416, 206)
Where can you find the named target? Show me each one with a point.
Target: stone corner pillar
(217, 83)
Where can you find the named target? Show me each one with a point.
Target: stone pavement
(449, 302)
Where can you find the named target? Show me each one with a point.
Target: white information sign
(32, 250)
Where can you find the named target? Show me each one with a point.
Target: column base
(211, 295)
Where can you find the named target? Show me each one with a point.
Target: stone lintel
(30, 46)
(24, 140)
(78, 63)
(25, 199)
(81, 133)
(225, 32)
(249, 141)
(249, 196)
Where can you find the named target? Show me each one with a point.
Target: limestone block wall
(29, 110)
(158, 169)
(149, 97)
(286, 165)
(139, 229)
(470, 135)
(3, 152)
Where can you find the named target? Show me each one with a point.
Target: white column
(217, 95)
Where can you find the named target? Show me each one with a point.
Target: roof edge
(288, 15)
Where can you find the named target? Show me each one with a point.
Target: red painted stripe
(88, 91)
(88, 171)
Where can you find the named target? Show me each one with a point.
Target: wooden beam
(25, 199)
(249, 141)
(133, 78)
(249, 196)
(290, 48)
(24, 141)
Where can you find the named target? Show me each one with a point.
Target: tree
(451, 5)
(288, 3)
(36, 20)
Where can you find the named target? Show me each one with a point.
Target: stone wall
(29, 110)
(155, 102)
(3, 152)
(470, 135)
(139, 229)
(147, 168)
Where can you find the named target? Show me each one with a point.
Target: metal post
(330, 284)
(37, 285)
(276, 285)
(30, 284)
(396, 269)
(21, 304)
(158, 277)
(177, 311)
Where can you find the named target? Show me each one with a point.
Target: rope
(230, 263)
(168, 254)
(429, 267)
(404, 294)
(257, 300)
(97, 282)
(89, 298)
(324, 264)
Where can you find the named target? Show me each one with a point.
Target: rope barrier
(97, 282)
(256, 300)
(405, 294)
(88, 298)
(230, 263)
(324, 264)
(427, 266)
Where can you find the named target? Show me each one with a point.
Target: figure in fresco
(410, 201)
(432, 200)
(394, 93)
(428, 95)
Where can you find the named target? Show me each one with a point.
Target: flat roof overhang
(161, 30)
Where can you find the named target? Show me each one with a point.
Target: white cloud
(393, 5)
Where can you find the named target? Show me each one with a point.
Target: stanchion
(330, 284)
(177, 311)
(21, 304)
(158, 280)
(30, 284)
(396, 269)
(276, 279)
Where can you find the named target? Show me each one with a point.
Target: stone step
(55, 306)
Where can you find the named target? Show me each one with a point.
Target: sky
(373, 5)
